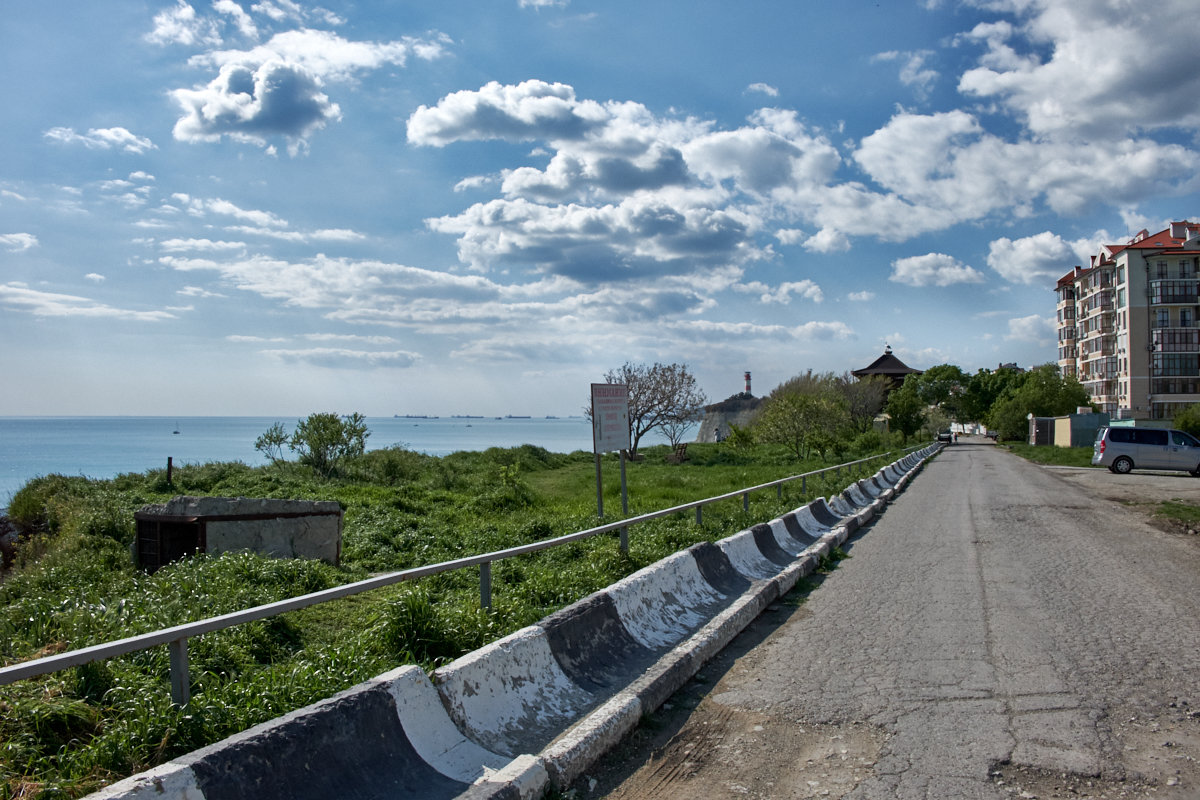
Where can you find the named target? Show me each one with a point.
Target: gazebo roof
(887, 364)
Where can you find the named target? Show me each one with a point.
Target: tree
(983, 389)
(905, 409)
(659, 395)
(864, 399)
(323, 440)
(1188, 419)
(802, 422)
(1043, 392)
(805, 414)
(272, 442)
(943, 386)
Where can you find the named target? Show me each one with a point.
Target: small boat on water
(176, 431)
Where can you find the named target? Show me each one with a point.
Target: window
(1182, 439)
(1185, 318)
(1120, 275)
(1161, 270)
(1185, 268)
(1121, 298)
(1162, 318)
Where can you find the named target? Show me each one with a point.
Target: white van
(1123, 449)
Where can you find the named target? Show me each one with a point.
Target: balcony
(1181, 291)
(1175, 340)
(1098, 389)
(1173, 386)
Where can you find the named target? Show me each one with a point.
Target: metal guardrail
(176, 637)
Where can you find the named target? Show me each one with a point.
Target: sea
(104, 447)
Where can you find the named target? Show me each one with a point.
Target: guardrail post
(485, 585)
(181, 691)
(745, 501)
(699, 515)
(779, 491)
(803, 486)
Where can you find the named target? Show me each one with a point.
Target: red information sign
(610, 417)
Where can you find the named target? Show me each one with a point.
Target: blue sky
(274, 207)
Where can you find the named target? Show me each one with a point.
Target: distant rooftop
(886, 365)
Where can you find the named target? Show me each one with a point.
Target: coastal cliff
(741, 409)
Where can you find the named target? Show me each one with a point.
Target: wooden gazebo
(888, 366)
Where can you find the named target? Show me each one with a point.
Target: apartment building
(1129, 324)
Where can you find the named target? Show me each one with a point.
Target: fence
(176, 637)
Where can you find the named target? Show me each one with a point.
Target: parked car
(945, 436)
(1124, 449)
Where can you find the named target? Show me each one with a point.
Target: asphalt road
(1001, 630)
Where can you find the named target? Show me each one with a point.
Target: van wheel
(1122, 465)
(1195, 472)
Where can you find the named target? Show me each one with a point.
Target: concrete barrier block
(716, 568)
(765, 539)
(169, 781)
(743, 553)
(796, 530)
(665, 602)
(568, 756)
(823, 514)
(788, 543)
(433, 735)
(511, 696)
(593, 646)
(334, 748)
(808, 521)
(523, 778)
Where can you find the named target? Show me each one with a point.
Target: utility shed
(185, 525)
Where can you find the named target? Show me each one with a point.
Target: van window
(1120, 434)
(1156, 438)
(1182, 439)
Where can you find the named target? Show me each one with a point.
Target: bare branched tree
(661, 396)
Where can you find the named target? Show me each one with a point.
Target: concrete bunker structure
(185, 525)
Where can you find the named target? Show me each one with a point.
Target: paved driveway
(1002, 630)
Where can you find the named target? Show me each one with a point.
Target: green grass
(74, 585)
(1186, 513)
(1053, 455)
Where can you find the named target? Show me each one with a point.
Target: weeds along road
(998, 632)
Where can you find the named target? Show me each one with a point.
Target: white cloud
(784, 292)
(192, 245)
(933, 269)
(543, 3)
(340, 358)
(913, 71)
(18, 242)
(530, 110)
(765, 88)
(348, 337)
(823, 331)
(1042, 258)
(237, 338)
(827, 240)
(1066, 82)
(861, 297)
(197, 291)
(181, 25)
(95, 277)
(19, 297)
(102, 139)
(1035, 329)
(243, 21)
(278, 88)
